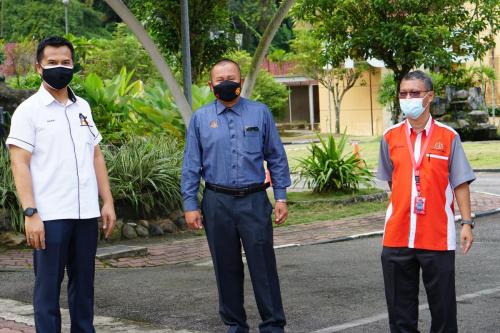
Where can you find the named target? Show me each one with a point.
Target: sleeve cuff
(98, 139)
(191, 205)
(19, 143)
(279, 193)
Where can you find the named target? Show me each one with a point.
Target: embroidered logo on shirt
(51, 120)
(438, 146)
(213, 124)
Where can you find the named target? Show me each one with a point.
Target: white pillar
(311, 106)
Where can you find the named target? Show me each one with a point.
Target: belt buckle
(241, 192)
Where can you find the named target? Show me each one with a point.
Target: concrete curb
(486, 170)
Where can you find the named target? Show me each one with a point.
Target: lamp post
(186, 51)
(66, 3)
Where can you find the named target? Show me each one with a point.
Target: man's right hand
(193, 219)
(35, 232)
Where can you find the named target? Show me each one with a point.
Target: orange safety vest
(435, 230)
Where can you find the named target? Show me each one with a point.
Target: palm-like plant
(8, 197)
(329, 169)
(145, 175)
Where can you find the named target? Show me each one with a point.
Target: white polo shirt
(61, 139)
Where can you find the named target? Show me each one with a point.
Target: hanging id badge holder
(419, 199)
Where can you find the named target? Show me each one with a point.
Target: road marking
(488, 193)
(22, 313)
(384, 316)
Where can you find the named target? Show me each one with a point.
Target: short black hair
(225, 61)
(419, 75)
(55, 41)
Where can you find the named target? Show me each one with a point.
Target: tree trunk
(398, 77)
(263, 46)
(337, 117)
(131, 21)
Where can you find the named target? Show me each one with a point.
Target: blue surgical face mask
(412, 107)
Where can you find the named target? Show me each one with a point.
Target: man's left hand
(108, 219)
(466, 238)
(280, 212)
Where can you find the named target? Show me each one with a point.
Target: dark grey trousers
(401, 267)
(229, 222)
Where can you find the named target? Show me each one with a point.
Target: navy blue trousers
(401, 268)
(230, 222)
(70, 245)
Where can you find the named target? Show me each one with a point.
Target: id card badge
(420, 205)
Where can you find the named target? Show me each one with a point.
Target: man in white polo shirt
(60, 172)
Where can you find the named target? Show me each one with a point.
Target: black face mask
(227, 91)
(57, 77)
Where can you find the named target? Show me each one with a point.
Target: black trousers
(401, 268)
(70, 245)
(230, 222)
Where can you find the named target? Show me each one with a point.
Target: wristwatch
(469, 222)
(281, 200)
(29, 212)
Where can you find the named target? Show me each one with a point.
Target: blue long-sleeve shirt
(228, 147)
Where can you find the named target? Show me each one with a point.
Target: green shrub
(267, 90)
(145, 176)
(329, 169)
(8, 197)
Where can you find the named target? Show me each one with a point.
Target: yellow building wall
(355, 110)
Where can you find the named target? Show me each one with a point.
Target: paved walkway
(196, 249)
(17, 317)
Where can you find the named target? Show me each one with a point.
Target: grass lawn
(309, 212)
(481, 154)
(315, 212)
(336, 196)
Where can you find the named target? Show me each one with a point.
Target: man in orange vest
(426, 167)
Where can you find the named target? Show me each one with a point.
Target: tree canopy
(405, 34)
(211, 31)
(39, 19)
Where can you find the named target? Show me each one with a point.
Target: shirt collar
(48, 99)
(427, 127)
(237, 108)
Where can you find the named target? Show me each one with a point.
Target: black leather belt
(237, 192)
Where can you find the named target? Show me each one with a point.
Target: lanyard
(411, 149)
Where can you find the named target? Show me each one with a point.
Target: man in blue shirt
(227, 143)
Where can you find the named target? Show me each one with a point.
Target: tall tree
(315, 59)
(211, 32)
(264, 44)
(250, 18)
(405, 34)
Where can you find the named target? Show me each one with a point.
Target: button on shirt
(444, 167)
(228, 147)
(61, 139)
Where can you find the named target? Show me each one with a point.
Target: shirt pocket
(252, 139)
(437, 157)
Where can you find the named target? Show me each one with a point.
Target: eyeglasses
(413, 94)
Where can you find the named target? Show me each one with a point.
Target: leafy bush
(387, 92)
(329, 169)
(462, 77)
(8, 197)
(109, 100)
(105, 57)
(267, 90)
(145, 176)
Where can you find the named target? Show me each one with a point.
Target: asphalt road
(330, 286)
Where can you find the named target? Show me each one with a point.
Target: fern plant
(329, 169)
